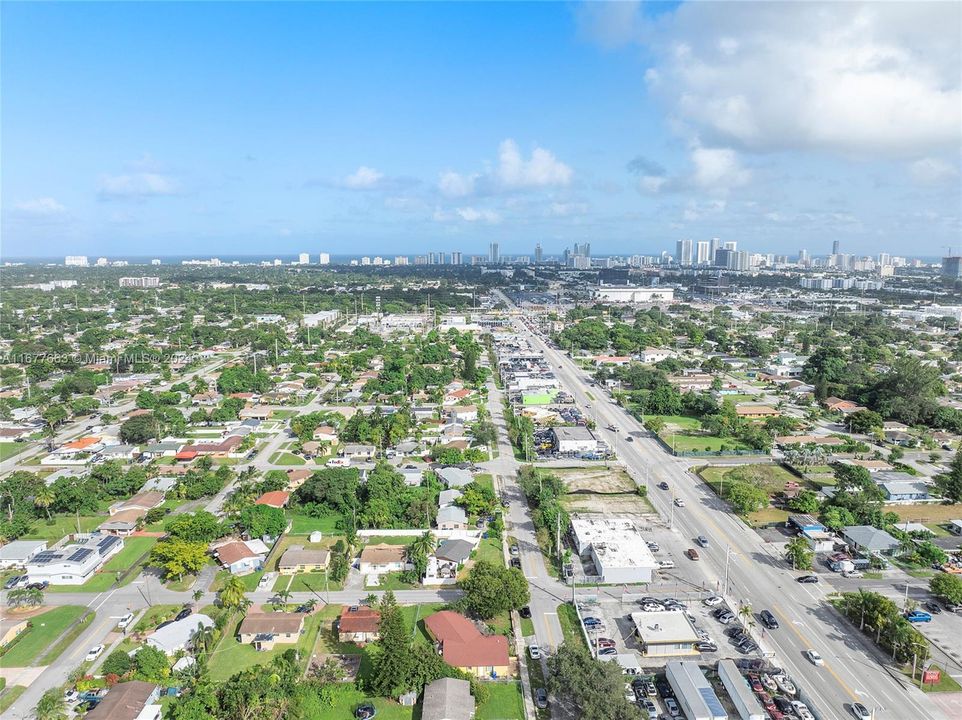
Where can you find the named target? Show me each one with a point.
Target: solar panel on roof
(80, 555)
(42, 558)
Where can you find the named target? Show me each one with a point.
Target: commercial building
(693, 692)
(494, 253)
(618, 551)
(73, 563)
(739, 691)
(952, 267)
(665, 634)
(75, 261)
(324, 259)
(631, 294)
(573, 440)
(683, 252)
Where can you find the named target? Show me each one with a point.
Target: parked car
(12, 582)
(185, 613)
(933, 607)
(706, 647)
(768, 620)
(589, 620)
(125, 621)
(71, 696)
(653, 546)
(541, 698)
(525, 612)
(713, 600)
(726, 617)
(94, 653)
(808, 579)
(42, 585)
(918, 616)
(853, 574)
(534, 651)
(516, 563)
(664, 689)
(814, 657)
(652, 607)
(514, 550)
(672, 707)
(649, 707)
(608, 651)
(666, 564)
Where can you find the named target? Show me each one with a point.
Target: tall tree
(392, 667)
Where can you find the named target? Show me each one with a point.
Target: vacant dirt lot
(595, 480)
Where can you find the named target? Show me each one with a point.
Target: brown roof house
(242, 557)
(133, 700)
(358, 624)
(464, 647)
(384, 558)
(297, 559)
(264, 630)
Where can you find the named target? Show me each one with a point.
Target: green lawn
(154, 617)
(306, 582)
(10, 696)
(62, 525)
(44, 631)
(414, 619)
(103, 579)
(490, 549)
(770, 477)
(568, 617)
(505, 702)
(485, 480)
(945, 684)
(681, 422)
(250, 581)
(10, 449)
(231, 656)
(348, 698)
(305, 524)
(700, 443)
(283, 414)
(286, 458)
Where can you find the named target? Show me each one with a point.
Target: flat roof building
(618, 551)
(694, 693)
(74, 563)
(663, 634)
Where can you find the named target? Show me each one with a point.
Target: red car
(756, 684)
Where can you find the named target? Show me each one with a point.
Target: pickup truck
(917, 616)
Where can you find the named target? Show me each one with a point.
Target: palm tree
(424, 544)
(232, 594)
(44, 498)
(745, 613)
(51, 706)
(29, 597)
(198, 594)
(799, 552)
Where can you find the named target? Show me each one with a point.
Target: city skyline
(625, 126)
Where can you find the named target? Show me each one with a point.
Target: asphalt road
(853, 672)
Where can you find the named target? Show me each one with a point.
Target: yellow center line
(806, 643)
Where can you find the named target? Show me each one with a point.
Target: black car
(525, 612)
(808, 579)
(516, 563)
(768, 620)
(664, 689)
(933, 607)
(663, 485)
(186, 612)
(42, 585)
(784, 705)
(541, 698)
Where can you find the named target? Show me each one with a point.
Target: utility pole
(728, 556)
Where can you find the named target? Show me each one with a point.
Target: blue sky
(204, 128)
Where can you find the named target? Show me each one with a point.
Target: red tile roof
(461, 643)
(274, 498)
(233, 552)
(364, 619)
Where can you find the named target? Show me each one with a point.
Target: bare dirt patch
(595, 480)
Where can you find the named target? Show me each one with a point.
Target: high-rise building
(401, 260)
(884, 259)
(835, 247)
(456, 258)
(952, 267)
(538, 254)
(683, 252)
(494, 253)
(324, 259)
(803, 258)
(102, 262)
(365, 260)
(715, 245)
(155, 261)
(702, 256)
(731, 246)
(304, 259)
(75, 261)
(440, 258)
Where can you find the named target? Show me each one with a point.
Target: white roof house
(176, 636)
(454, 477)
(618, 550)
(19, 552)
(74, 563)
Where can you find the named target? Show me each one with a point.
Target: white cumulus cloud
(364, 178)
(543, 169)
(41, 207)
(136, 186)
(718, 169)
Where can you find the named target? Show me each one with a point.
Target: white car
(861, 712)
(94, 653)
(534, 651)
(679, 502)
(713, 600)
(666, 564)
(125, 621)
(853, 574)
(814, 657)
(652, 607)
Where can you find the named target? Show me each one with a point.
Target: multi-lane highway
(854, 671)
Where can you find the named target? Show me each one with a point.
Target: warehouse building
(694, 693)
(739, 691)
(664, 634)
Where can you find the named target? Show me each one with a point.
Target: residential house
(454, 477)
(177, 636)
(358, 624)
(10, 629)
(868, 539)
(463, 413)
(297, 477)
(19, 552)
(264, 630)
(616, 360)
(955, 527)
(452, 517)
(413, 475)
(275, 499)
(464, 647)
(357, 451)
(167, 448)
(239, 557)
(455, 551)
(131, 700)
(448, 497)
(225, 448)
(447, 699)
(383, 558)
(905, 492)
(654, 355)
(120, 452)
(325, 433)
(74, 562)
(297, 559)
(755, 411)
(835, 404)
(456, 396)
